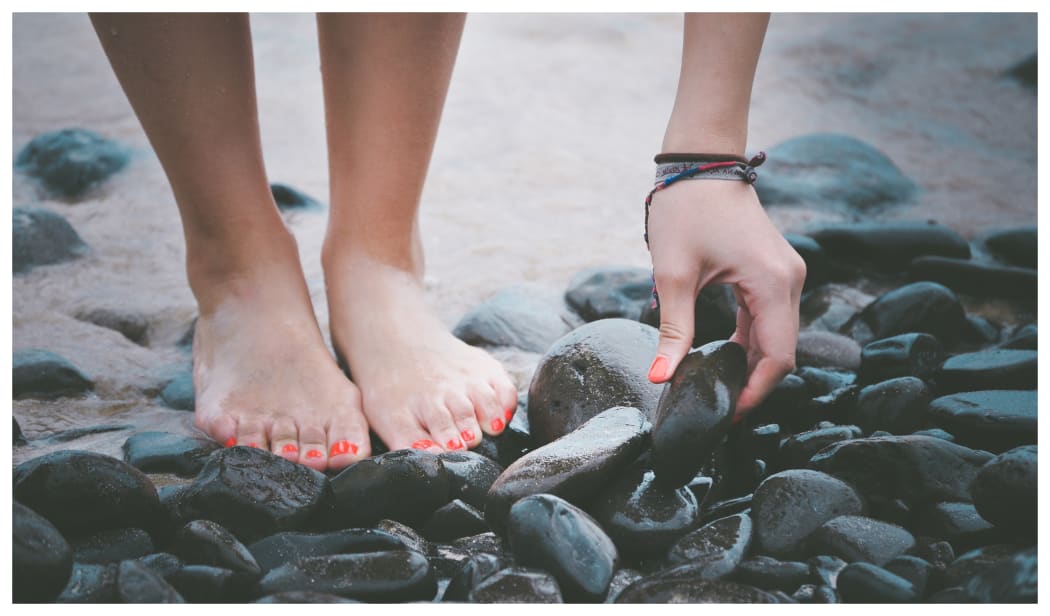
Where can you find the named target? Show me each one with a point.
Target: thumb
(676, 333)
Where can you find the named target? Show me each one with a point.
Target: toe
(251, 432)
(347, 440)
(488, 408)
(284, 439)
(465, 420)
(507, 395)
(313, 444)
(223, 429)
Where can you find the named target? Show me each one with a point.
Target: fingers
(773, 335)
(677, 305)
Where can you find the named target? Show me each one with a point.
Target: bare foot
(262, 373)
(422, 387)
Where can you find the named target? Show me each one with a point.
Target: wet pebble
(470, 475)
(42, 237)
(454, 520)
(470, 573)
(958, 523)
(90, 584)
(811, 593)
(163, 563)
(824, 569)
(550, 533)
(396, 576)
(827, 350)
(712, 551)
(165, 452)
(890, 246)
(924, 307)
(279, 548)
(796, 450)
(1026, 337)
(289, 198)
(621, 580)
(42, 560)
(976, 561)
(111, 546)
(206, 584)
(861, 539)
(303, 596)
(1015, 580)
(863, 582)
(912, 568)
(138, 584)
(1016, 246)
(692, 590)
(915, 354)
(407, 485)
(994, 420)
(70, 161)
(178, 393)
(773, 574)
(203, 542)
(1005, 491)
(520, 317)
(517, 585)
(830, 306)
(610, 292)
(44, 375)
(977, 279)
(896, 406)
(820, 382)
(989, 369)
(727, 507)
(483, 543)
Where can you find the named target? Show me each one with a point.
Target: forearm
(719, 55)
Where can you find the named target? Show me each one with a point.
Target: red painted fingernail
(454, 444)
(423, 444)
(497, 424)
(658, 371)
(256, 445)
(509, 413)
(230, 442)
(342, 447)
(467, 435)
(290, 448)
(313, 453)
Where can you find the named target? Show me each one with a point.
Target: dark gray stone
(1016, 580)
(977, 279)
(917, 355)
(375, 577)
(610, 292)
(924, 307)
(163, 563)
(205, 584)
(830, 306)
(41, 374)
(825, 568)
(976, 561)
(827, 350)
(279, 548)
(470, 573)
(796, 450)
(517, 585)
(288, 198)
(133, 326)
(407, 485)
(112, 546)
(657, 589)
(727, 507)
(483, 543)
(470, 475)
(770, 573)
(863, 582)
(1017, 246)
(178, 393)
(70, 161)
(820, 382)
(16, 433)
(517, 317)
(861, 539)
(303, 596)
(203, 542)
(988, 369)
(1026, 72)
(90, 584)
(1026, 337)
(713, 551)
(42, 237)
(912, 568)
(138, 584)
(42, 561)
(164, 452)
(995, 420)
(1005, 491)
(890, 246)
(958, 523)
(896, 406)
(621, 580)
(454, 520)
(811, 593)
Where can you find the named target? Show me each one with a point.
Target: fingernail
(497, 424)
(290, 448)
(423, 443)
(454, 444)
(314, 453)
(509, 413)
(658, 371)
(468, 435)
(342, 447)
(255, 445)
(230, 442)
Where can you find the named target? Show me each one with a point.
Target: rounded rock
(42, 560)
(1005, 489)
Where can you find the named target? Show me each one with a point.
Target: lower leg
(385, 79)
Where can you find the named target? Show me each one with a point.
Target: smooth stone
(178, 394)
(576, 466)
(789, 395)
(42, 560)
(517, 585)
(937, 552)
(642, 517)
(1026, 338)
(827, 350)
(988, 369)
(277, 549)
(834, 406)
(133, 326)
(138, 584)
(830, 306)
(815, 257)
(701, 488)
(503, 449)
(856, 538)
(915, 469)
(621, 580)
(90, 584)
(16, 433)
(1017, 246)
(772, 574)
(796, 450)
(811, 593)
(1015, 580)
(692, 590)
(470, 573)
(862, 582)
(825, 568)
(1026, 72)
(912, 568)
(454, 520)
(820, 382)
(70, 161)
(890, 246)
(714, 314)
(610, 292)
(518, 316)
(407, 485)
(483, 543)
(111, 546)
(924, 307)
(595, 367)
(789, 506)
(42, 237)
(408, 536)
(470, 475)
(959, 523)
(253, 493)
(44, 375)
(289, 198)
(994, 420)
(980, 331)
(445, 560)
(164, 452)
(977, 279)
(976, 561)
(896, 406)
(727, 507)
(203, 542)
(832, 170)
(915, 354)
(163, 563)
(714, 550)
(66, 436)
(1005, 491)
(549, 533)
(82, 492)
(936, 433)
(206, 584)
(303, 596)
(379, 577)
(696, 411)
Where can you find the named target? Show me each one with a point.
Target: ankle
(345, 256)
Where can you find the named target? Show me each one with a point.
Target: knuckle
(673, 278)
(673, 332)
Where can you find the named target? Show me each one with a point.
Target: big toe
(348, 442)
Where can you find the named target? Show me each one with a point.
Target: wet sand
(547, 143)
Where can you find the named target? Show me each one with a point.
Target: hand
(715, 232)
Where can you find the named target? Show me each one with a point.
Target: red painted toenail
(342, 447)
(423, 444)
(290, 448)
(497, 424)
(454, 444)
(230, 442)
(467, 435)
(313, 453)
(508, 414)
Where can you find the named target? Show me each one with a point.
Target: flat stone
(714, 550)
(279, 548)
(727, 507)
(517, 585)
(576, 466)
(42, 560)
(796, 450)
(470, 573)
(890, 246)
(593, 368)
(44, 375)
(164, 452)
(205, 584)
(178, 393)
(1017, 245)
(1016, 580)
(915, 469)
(203, 542)
(483, 543)
(830, 306)
(470, 475)
(288, 198)
(90, 584)
(959, 523)
(812, 593)
(621, 580)
(454, 520)
(988, 369)
(861, 539)
(112, 546)
(862, 582)
(827, 350)
(820, 382)
(42, 237)
(912, 568)
(71, 161)
(82, 492)
(518, 316)
(789, 506)
(995, 420)
(914, 354)
(138, 584)
(1005, 491)
(610, 292)
(1026, 337)
(692, 590)
(253, 493)
(924, 307)
(825, 568)
(132, 325)
(374, 577)
(770, 573)
(303, 596)
(897, 406)
(163, 563)
(977, 279)
(407, 485)
(962, 569)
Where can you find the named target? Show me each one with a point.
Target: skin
(716, 232)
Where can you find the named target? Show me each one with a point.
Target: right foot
(262, 373)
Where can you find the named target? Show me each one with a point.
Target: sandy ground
(542, 161)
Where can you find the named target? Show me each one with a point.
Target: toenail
(497, 424)
(314, 453)
(423, 444)
(454, 444)
(342, 447)
(467, 435)
(508, 414)
(230, 442)
(290, 448)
